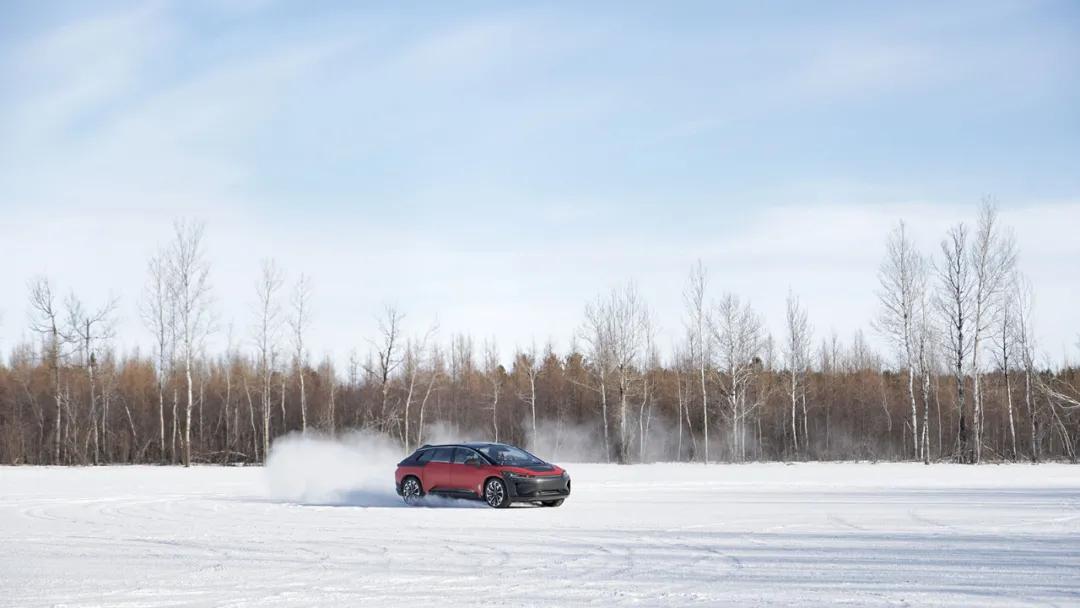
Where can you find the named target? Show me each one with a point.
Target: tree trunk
(1031, 415)
(228, 399)
(604, 417)
(805, 426)
(161, 414)
(926, 418)
(794, 416)
(1009, 404)
(303, 403)
(914, 410)
(175, 421)
(624, 455)
(704, 411)
(331, 413)
(423, 406)
(532, 400)
(190, 406)
(976, 416)
(59, 398)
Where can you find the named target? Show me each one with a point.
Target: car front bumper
(531, 489)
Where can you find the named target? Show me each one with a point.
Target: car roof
(469, 444)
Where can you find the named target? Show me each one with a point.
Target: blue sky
(495, 165)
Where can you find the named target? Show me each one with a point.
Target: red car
(497, 473)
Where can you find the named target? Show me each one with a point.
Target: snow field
(324, 530)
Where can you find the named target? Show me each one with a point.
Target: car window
(442, 455)
(509, 455)
(463, 454)
(424, 456)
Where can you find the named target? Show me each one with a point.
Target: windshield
(510, 456)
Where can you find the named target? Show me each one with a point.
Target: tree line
(963, 380)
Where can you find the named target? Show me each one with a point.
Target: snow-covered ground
(665, 534)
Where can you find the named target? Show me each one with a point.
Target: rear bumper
(533, 489)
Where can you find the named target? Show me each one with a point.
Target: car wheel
(495, 493)
(411, 491)
(553, 503)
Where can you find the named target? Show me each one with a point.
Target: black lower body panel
(538, 489)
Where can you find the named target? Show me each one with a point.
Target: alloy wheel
(410, 491)
(495, 493)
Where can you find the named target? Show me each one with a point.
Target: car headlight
(513, 475)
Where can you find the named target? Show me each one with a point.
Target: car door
(437, 470)
(467, 471)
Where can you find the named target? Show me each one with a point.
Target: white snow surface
(331, 532)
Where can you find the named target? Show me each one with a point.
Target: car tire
(496, 494)
(411, 490)
(553, 503)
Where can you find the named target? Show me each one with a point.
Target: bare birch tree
(993, 256)
(1004, 348)
(596, 335)
(630, 326)
(85, 329)
(389, 358)
(298, 323)
(902, 279)
(436, 370)
(620, 325)
(739, 338)
(1023, 337)
(189, 274)
(700, 339)
(413, 366)
(493, 375)
(158, 308)
(45, 321)
(797, 360)
(926, 336)
(650, 361)
(267, 332)
(954, 304)
(530, 364)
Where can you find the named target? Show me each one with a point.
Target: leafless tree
(267, 332)
(228, 362)
(298, 323)
(86, 329)
(493, 374)
(436, 370)
(1004, 347)
(1023, 338)
(190, 272)
(903, 281)
(597, 336)
(700, 342)
(651, 361)
(389, 358)
(1063, 400)
(623, 324)
(45, 321)
(954, 303)
(158, 308)
(685, 379)
(531, 368)
(993, 256)
(739, 338)
(413, 365)
(797, 360)
(926, 336)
